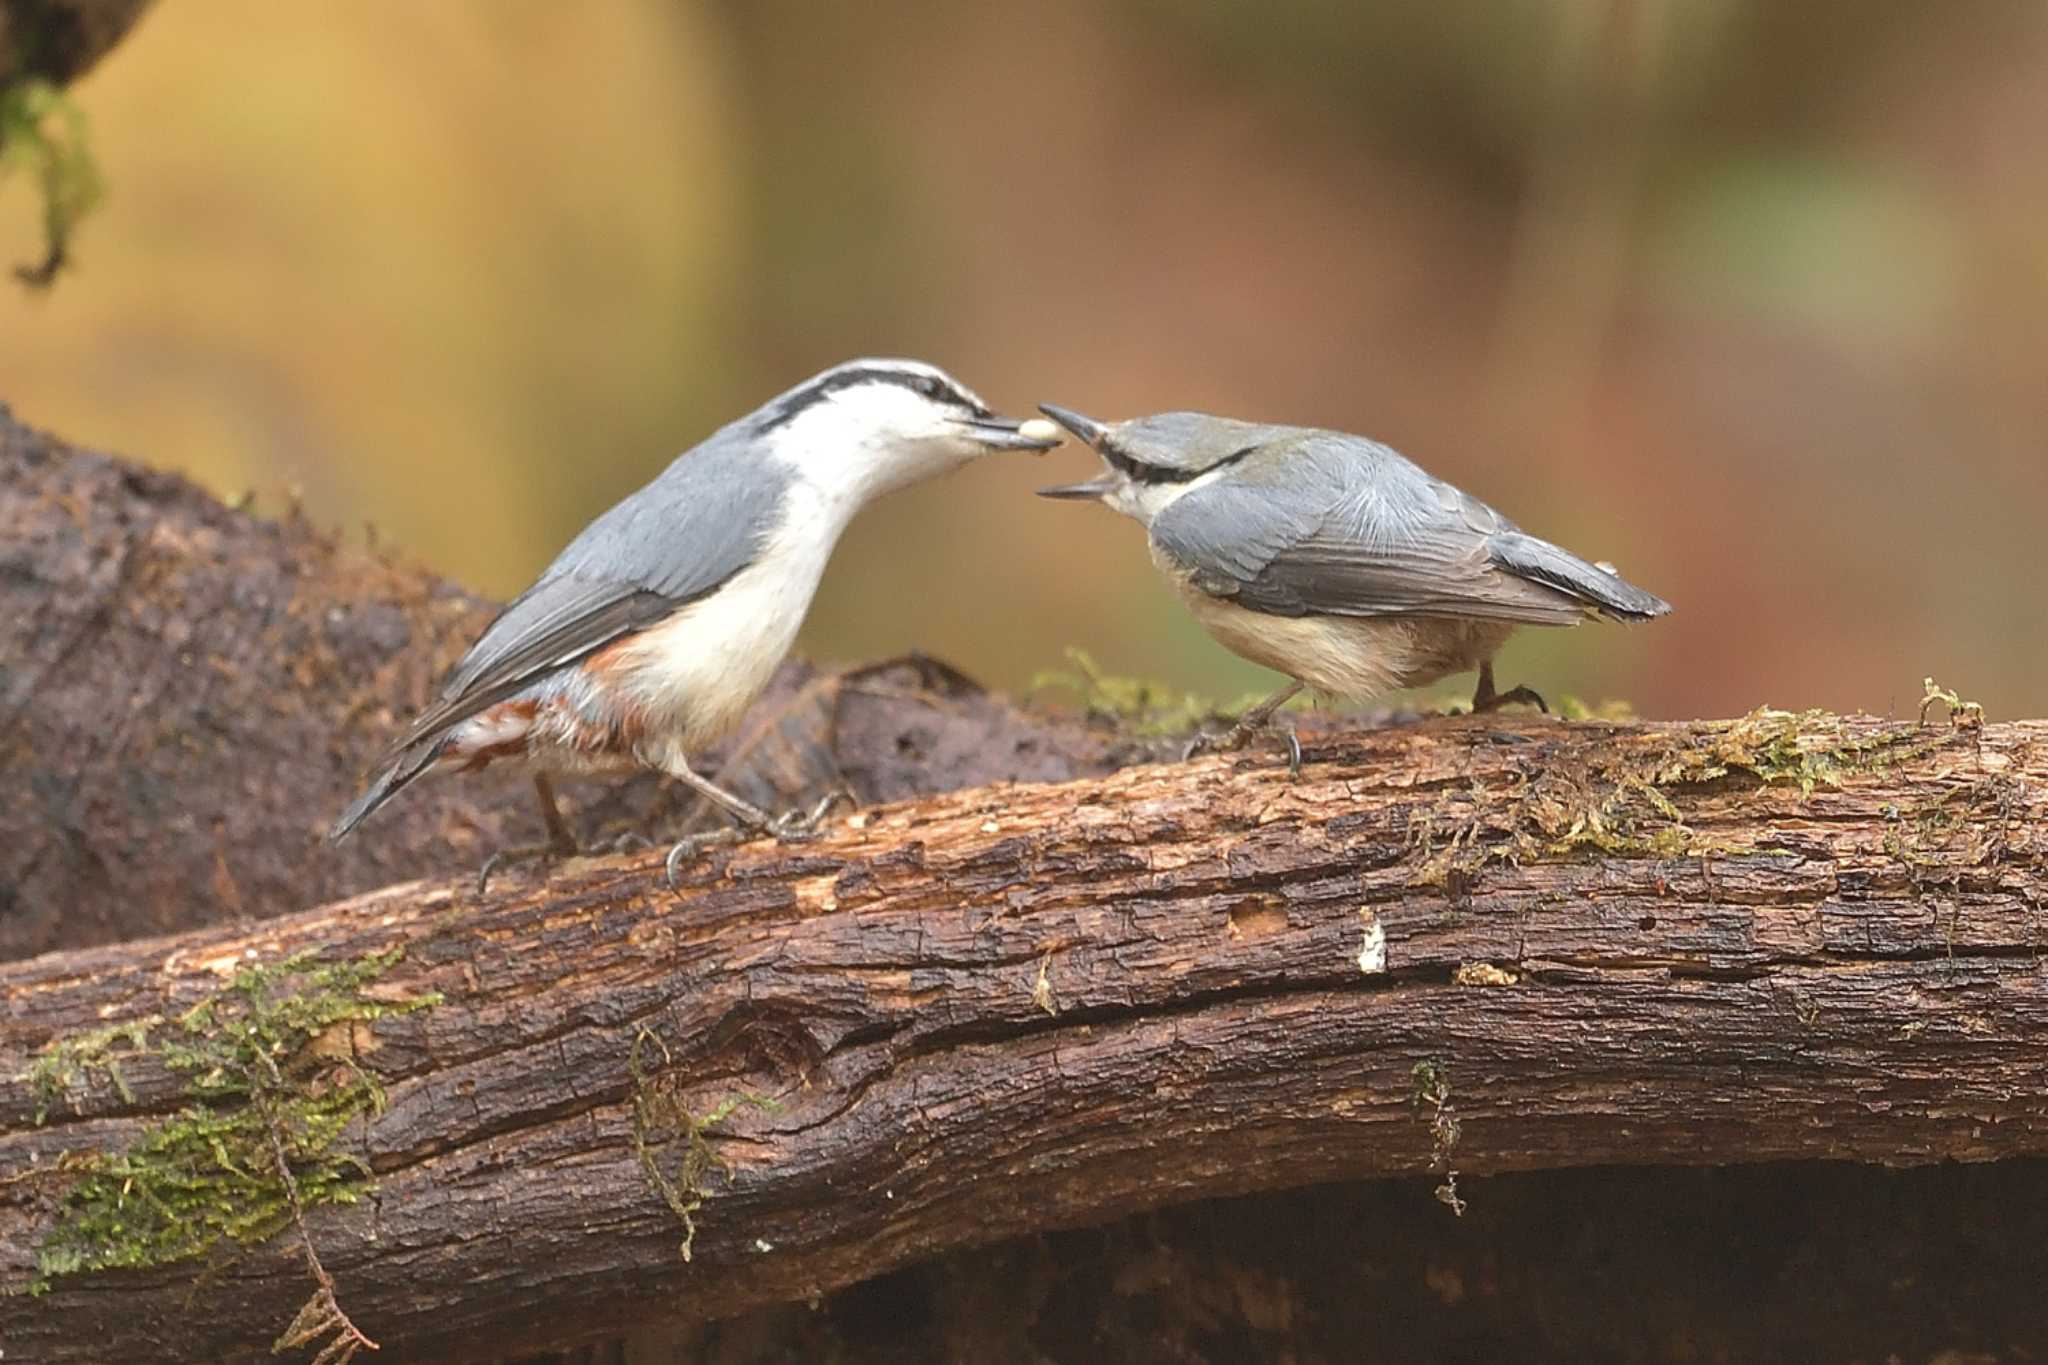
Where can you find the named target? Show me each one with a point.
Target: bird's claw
(794, 826)
(689, 846)
(625, 842)
(510, 857)
(1235, 738)
(1230, 741)
(1527, 696)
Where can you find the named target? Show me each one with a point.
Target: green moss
(43, 132)
(270, 1067)
(1145, 708)
(1552, 815)
(1572, 708)
(1617, 801)
(69, 1063)
(1807, 749)
(1966, 826)
(662, 1124)
(1962, 715)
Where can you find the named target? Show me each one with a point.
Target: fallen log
(1463, 946)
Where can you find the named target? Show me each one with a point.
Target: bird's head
(882, 424)
(1147, 462)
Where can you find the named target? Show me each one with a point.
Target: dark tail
(1604, 593)
(393, 776)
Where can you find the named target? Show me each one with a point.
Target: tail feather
(1605, 592)
(394, 775)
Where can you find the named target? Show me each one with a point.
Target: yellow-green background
(1749, 297)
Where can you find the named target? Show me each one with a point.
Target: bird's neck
(839, 471)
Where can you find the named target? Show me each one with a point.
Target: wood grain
(1470, 945)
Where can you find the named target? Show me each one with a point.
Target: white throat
(1144, 501)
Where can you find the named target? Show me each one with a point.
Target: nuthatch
(651, 633)
(1334, 559)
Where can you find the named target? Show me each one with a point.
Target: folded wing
(1344, 526)
(701, 521)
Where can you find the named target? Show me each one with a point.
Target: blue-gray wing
(701, 521)
(1341, 526)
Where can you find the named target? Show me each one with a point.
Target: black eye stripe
(810, 395)
(1139, 471)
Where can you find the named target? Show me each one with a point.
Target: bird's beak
(1091, 431)
(1094, 488)
(1087, 428)
(1007, 433)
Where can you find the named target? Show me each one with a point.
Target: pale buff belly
(1351, 657)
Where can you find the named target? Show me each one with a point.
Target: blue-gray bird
(651, 633)
(1334, 559)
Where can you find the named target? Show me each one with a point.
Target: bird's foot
(627, 841)
(798, 825)
(549, 852)
(1527, 696)
(689, 846)
(1484, 698)
(1241, 734)
(794, 826)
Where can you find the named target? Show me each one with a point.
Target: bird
(1334, 559)
(654, 629)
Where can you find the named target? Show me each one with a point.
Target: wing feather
(1355, 529)
(699, 522)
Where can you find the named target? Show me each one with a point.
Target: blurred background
(1748, 297)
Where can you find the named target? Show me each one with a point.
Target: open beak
(1007, 433)
(1091, 431)
(1087, 428)
(1094, 488)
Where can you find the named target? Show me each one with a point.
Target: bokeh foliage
(1746, 297)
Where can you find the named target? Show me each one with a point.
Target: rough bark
(1471, 945)
(189, 694)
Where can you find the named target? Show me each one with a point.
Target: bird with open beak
(1334, 559)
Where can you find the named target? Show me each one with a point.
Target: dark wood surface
(1028, 1007)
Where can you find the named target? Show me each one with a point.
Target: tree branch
(1466, 945)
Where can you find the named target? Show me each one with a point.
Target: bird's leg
(561, 842)
(559, 836)
(1250, 724)
(744, 812)
(1484, 698)
(791, 825)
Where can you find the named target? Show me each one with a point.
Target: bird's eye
(930, 386)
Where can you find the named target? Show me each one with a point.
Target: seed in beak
(1038, 429)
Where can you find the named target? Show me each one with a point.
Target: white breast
(1352, 657)
(696, 673)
